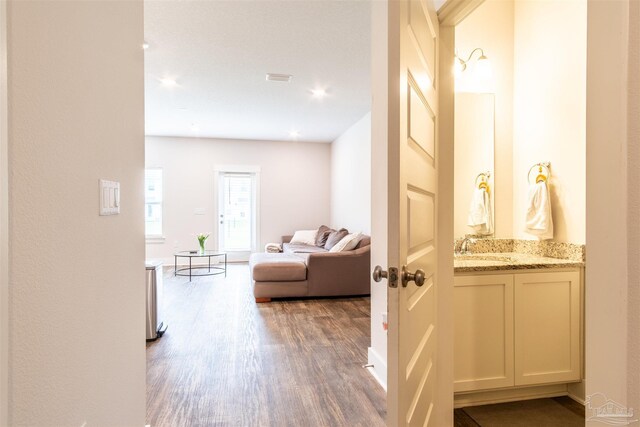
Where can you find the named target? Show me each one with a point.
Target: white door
(237, 214)
(415, 371)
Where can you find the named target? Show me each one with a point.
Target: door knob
(417, 277)
(379, 274)
(392, 275)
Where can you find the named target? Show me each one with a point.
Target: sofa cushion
(364, 241)
(323, 235)
(307, 237)
(348, 242)
(335, 237)
(277, 268)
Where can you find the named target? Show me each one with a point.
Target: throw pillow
(323, 235)
(305, 237)
(335, 237)
(348, 242)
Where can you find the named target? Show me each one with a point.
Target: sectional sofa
(304, 270)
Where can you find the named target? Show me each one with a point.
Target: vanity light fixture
(482, 67)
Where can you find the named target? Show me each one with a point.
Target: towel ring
(484, 181)
(541, 177)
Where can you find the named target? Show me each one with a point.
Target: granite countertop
(508, 261)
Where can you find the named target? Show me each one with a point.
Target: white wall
(490, 27)
(76, 86)
(613, 200)
(377, 353)
(550, 110)
(351, 178)
(294, 186)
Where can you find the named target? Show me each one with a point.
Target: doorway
(237, 212)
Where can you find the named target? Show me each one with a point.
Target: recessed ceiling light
(168, 82)
(319, 93)
(294, 134)
(145, 45)
(273, 77)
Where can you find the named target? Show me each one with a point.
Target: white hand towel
(539, 221)
(480, 214)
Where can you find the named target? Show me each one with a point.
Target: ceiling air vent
(272, 77)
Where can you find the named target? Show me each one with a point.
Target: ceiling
(218, 53)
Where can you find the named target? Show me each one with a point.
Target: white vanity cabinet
(517, 329)
(483, 332)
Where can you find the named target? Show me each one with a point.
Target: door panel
(412, 214)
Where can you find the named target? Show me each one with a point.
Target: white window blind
(153, 202)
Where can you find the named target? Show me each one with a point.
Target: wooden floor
(225, 361)
(530, 413)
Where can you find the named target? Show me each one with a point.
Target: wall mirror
(474, 154)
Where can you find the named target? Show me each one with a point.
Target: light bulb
(318, 93)
(483, 69)
(168, 82)
(458, 67)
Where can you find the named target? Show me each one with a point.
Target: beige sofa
(311, 271)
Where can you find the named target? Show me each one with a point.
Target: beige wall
(549, 110)
(76, 88)
(294, 186)
(532, 123)
(633, 224)
(4, 223)
(490, 27)
(351, 178)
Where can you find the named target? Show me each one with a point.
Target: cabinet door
(483, 332)
(547, 327)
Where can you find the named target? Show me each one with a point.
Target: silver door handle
(379, 274)
(417, 277)
(391, 275)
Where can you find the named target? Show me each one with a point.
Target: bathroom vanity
(518, 326)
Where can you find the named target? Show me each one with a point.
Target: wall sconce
(482, 66)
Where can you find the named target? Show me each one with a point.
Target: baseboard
(576, 391)
(489, 397)
(379, 368)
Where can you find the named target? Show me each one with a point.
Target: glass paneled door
(237, 212)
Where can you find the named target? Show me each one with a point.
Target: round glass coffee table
(193, 270)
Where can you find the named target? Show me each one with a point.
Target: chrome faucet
(464, 245)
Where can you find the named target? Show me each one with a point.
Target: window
(153, 202)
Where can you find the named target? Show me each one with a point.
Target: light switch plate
(109, 197)
(199, 211)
